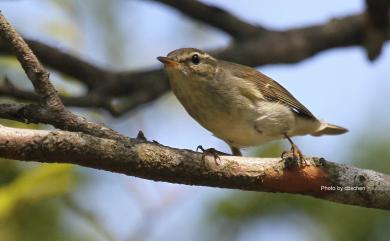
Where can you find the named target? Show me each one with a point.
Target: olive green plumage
(237, 103)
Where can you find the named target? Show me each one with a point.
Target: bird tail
(329, 129)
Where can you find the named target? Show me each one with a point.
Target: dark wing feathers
(274, 91)
(270, 89)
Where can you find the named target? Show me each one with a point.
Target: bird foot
(213, 152)
(293, 157)
(294, 153)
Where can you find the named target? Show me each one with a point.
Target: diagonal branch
(152, 161)
(51, 107)
(216, 17)
(36, 73)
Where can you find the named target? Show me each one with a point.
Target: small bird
(237, 103)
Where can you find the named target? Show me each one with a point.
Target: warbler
(237, 103)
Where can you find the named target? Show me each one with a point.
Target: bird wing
(270, 89)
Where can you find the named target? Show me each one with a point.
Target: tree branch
(160, 163)
(68, 64)
(141, 87)
(295, 45)
(34, 70)
(51, 108)
(91, 99)
(377, 26)
(216, 17)
(102, 148)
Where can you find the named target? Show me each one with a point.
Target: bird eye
(195, 59)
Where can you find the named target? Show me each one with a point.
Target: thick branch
(156, 162)
(377, 26)
(378, 13)
(295, 45)
(216, 17)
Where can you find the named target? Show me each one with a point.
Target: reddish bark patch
(308, 179)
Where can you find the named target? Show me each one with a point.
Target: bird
(239, 104)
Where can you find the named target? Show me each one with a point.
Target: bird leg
(235, 151)
(296, 153)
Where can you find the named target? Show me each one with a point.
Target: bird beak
(168, 62)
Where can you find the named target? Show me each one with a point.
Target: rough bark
(316, 177)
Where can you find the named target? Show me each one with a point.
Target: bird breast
(227, 113)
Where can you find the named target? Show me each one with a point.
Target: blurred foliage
(103, 22)
(39, 183)
(30, 198)
(340, 222)
(36, 199)
(29, 209)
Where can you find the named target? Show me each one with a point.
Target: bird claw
(293, 157)
(211, 151)
(294, 152)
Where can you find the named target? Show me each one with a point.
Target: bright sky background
(340, 86)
